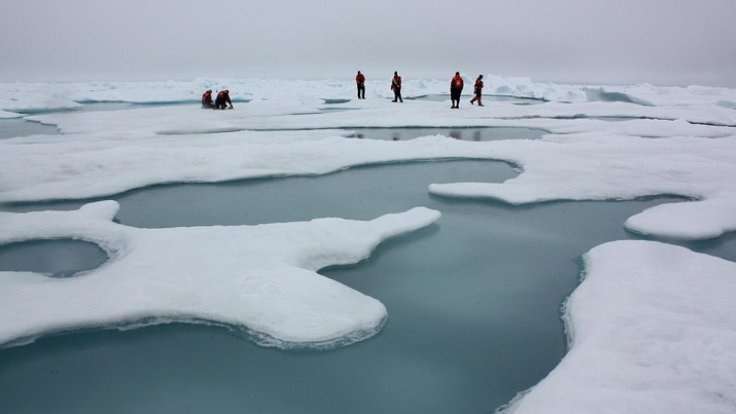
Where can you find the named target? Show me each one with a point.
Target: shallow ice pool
(54, 257)
(460, 133)
(18, 127)
(473, 301)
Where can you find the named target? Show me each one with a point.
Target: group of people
(222, 101)
(456, 88)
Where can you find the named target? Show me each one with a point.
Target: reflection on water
(334, 101)
(487, 98)
(460, 133)
(473, 305)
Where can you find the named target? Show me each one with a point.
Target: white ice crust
(652, 329)
(261, 279)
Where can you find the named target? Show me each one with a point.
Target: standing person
(477, 89)
(207, 99)
(396, 87)
(456, 89)
(223, 98)
(360, 81)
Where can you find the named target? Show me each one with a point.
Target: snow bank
(652, 329)
(261, 279)
(526, 88)
(676, 96)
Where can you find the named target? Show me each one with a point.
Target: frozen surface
(43, 96)
(107, 152)
(258, 278)
(652, 329)
(669, 355)
(601, 166)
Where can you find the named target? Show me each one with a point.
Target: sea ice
(106, 152)
(652, 329)
(258, 278)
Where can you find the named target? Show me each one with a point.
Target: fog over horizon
(663, 42)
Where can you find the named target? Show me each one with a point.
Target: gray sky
(665, 42)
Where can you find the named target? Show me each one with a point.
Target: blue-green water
(486, 98)
(460, 133)
(55, 257)
(18, 127)
(473, 301)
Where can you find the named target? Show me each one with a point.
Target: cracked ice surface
(259, 278)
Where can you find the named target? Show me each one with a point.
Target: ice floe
(652, 329)
(107, 152)
(598, 166)
(261, 279)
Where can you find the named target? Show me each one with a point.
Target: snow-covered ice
(107, 152)
(652, 329)
(258, 278)
(652, 326)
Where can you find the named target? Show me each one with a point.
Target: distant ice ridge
(652, 329)
(18, 97)
(258, 278)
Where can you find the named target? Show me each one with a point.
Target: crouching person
(223, 100)
(207, 99)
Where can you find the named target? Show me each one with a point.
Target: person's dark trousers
(361, 91)
(455, 97)
(397, 95)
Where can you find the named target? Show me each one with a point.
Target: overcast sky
(665, 42)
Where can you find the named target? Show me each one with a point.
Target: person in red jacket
(207, 99)
(396, 87)
(223, 99)
(360, 81)
(456, 88)
(477, 89)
